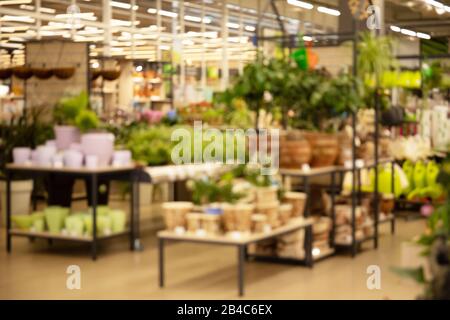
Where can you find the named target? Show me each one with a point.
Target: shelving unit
(128, 173)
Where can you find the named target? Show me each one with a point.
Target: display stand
(129, 173)
(241, 242)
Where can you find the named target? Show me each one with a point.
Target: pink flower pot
(65, 136)
(100, 145)
(21, 155)
(73, 159)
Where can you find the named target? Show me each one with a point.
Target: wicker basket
(266, 194)
(194, 221)
(325, 148)
(270, 210)
(175, 214)
(42, 73)
(294, 150)
(237, 217)
(298, 202)
(285, 212)
(211, 223)
(23, 72)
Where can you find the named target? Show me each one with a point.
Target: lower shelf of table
(48, 235)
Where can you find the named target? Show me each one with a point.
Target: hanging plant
(64, 73)
(23, 72)
(110, 75)
(42, 73)
(5, 73)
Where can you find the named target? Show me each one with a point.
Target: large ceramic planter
(324, 147)
(20, 198)
(98, 144)
(295, 150)
(65, 136)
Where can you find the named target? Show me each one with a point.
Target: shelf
(48, 235)
(324, 254)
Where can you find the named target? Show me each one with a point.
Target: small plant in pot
(65, 114)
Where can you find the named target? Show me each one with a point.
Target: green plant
(68, 108)
(375, 56)
(24, 130)
(239, 115)
(86, 120)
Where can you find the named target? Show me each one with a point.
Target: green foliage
(375, 56)
(87, 120)
(26, 130)
(68, 108)
(239, 116)
(208, 190)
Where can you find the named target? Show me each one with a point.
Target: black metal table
(240, 243)
(125, 173)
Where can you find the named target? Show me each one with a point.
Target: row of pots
(304, 147)
(25, 73)
(71, 149)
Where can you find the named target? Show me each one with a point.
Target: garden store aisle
(196, 272)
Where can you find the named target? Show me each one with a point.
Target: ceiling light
(233, 25)
(166, 48)
(396, 29)
(329, 11)
(434, 3)
(26, 19)
(163, 13)
(41, 9)
(250, 28)
(300, 4)
(206, 20)
(408, 32)
(123, 5)
(12, 2)
(423, 36)
(14, 29)
(123, 23)
(188, 42)
(81, 15)
(307, 38)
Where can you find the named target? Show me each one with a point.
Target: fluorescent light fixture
(123, 23)
(408, 32)
(41, 9)
(165, 48)
(250, 28)
(26, 19)
(17, 39)
(396, 29)
(423, 36)
(233, 25)
(206, 20)
(163, 13)
(300, 4)
(329, 11)
(436, 4)
(90, 16)
(11, 45)
(13, 2)
(14, 29)
(123, 5)
(188, 42)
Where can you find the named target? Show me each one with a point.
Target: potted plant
(65, 114)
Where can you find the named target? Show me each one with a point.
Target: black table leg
(135, 242)
(161, 263)
(94, 187)
(241, 261)
(309, 260)
(333, 208)
(8, 212)
(393, 193)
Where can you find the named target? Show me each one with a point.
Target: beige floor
(37, 271)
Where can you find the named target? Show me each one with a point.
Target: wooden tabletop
(244, 239)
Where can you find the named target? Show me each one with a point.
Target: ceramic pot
(21, 155)
(73, 159)
(324, 147)
(65, 136)
(122, 158)
(100, 145)
(45, 155)
(295, 150)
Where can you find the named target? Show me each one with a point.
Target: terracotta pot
(5, 73)
(325, 148)
(66, 136)
(42, 73)
(64, 73)
(297, 200)
(175, 214)
(23, 73)
(294, 150)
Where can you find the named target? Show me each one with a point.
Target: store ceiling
(52, 22)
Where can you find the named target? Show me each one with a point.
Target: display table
(240, 243)
(124, 173)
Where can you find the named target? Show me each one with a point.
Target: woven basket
(298, 202)
(175, 213)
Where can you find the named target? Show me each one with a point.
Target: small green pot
(55, 218)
